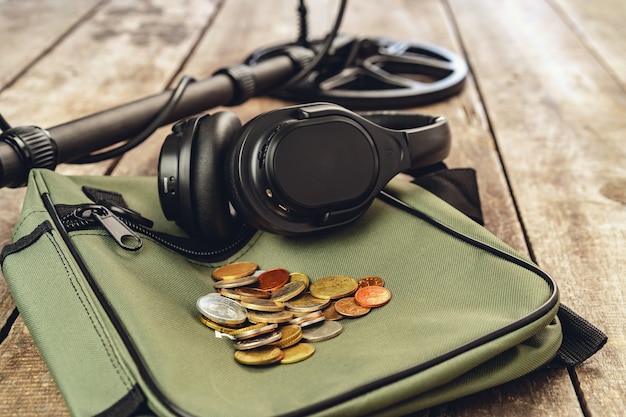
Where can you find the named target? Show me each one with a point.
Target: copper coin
(273, 279)
(252, 292)
(370, 281)
(349, 308)
(234, 270)
(372, 296)
(331, 314)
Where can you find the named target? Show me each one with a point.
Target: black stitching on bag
(96, 324)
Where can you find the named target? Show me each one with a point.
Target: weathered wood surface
(540, 119)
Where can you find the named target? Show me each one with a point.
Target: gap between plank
(6, 329)
(179, 70)
(579, 392)
(491, 129)
(90, 13)
(584, 41)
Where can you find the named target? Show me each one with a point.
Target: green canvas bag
(121, 335)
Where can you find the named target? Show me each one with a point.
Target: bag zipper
(122, 234)
(125, 227)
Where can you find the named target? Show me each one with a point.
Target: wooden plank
(123, 52)
(27, 386)
(228, 42)
(18, 51)
(558, 116)
(26, 37)
(601, 28)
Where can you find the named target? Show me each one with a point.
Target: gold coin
(370, 281)
(288, 291)
(348, 307)
(299, 276)
(236, 282)
(234, 270)
(265, 355)
(269, 316)
(333, 287)
(230, 293)
(254, 330)
(259, 304)
(306, 303)
(218, 327)
(297, 353)
(289, 336)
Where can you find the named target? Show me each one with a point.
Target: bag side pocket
(67, 326)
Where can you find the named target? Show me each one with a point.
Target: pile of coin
(274, 315)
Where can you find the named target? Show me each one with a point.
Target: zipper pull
(124, 237)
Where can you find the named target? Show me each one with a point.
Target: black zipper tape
(194, 249)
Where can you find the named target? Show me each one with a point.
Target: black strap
(458, 187)
(581, 339)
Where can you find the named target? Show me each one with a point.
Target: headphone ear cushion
(211, 216)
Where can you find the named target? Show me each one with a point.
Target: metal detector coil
(375, 73)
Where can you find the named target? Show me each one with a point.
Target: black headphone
(290, 171)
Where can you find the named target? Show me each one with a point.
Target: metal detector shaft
(77, 138)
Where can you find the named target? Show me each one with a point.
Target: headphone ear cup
(208, 214)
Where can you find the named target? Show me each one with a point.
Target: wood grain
(541, 121)
(122, 52)
(44, 21)
(558, 118)
(600, 27)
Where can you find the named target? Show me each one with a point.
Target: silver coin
(312, 321)
(237, 282)
(221, 310)
(324, 331)
(308, 316)
(256, 342)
